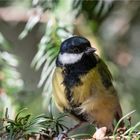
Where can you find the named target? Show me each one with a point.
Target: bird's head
(73, 49)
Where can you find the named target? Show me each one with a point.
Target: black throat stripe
(71, 74)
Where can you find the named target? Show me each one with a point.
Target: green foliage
(41, 6)
(21, 126)
(47, 51)
(10, 78)
(94, 8)
(10, 81)
(46, 4)
(129, 131)
(25, 126)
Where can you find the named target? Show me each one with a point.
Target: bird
(83, 85)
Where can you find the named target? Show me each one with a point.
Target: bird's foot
(100, 133)
(121, 130)
(64, 135)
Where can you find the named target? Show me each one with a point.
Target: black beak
(90, 50)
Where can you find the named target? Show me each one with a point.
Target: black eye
(76, 50)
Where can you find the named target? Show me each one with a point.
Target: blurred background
(30, 35)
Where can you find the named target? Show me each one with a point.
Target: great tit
(83, 85)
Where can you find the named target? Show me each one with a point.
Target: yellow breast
(96, 101)
(92, 87)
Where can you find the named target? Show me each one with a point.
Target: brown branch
(16, 14)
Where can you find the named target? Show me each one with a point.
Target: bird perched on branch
(83, 85)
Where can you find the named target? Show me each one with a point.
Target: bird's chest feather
(85, 94)
(90, 98)
(80, 87)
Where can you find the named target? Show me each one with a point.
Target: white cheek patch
(69, 58)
